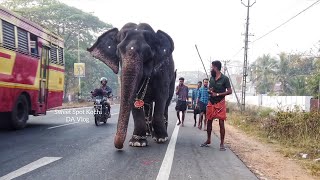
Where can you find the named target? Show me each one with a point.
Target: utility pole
(245, 63)
(79, 95)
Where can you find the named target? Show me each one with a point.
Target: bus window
(61, 56)
(34, 44)
(8, 35)
(23, 40)
(53, 54)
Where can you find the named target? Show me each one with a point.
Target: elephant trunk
(130, 78)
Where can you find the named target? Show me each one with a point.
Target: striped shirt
(203, 95)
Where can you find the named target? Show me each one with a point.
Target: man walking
(219, 87)
(182, 93)
(202, 102)
(196, 109)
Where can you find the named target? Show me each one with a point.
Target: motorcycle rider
(107, 90)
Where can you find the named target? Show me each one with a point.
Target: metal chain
(136, 137)
(145, 89)
(148, 119)
(141, 87)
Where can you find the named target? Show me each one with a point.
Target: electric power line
(237, 52)
(286, 21)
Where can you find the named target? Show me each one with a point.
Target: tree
(313, 82)
(72, 25)
(263, 70)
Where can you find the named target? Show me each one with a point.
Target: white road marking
(114, 114)
(62, 125)
(165, 168)
(30, 167)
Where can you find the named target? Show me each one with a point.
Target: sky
(216, 27)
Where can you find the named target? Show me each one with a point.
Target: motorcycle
(101, 110)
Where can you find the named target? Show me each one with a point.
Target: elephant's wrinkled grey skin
(142, 53)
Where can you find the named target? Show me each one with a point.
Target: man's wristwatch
(217, 94)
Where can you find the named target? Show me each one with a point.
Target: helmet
(103, 78)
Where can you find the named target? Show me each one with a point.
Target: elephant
(147, 77)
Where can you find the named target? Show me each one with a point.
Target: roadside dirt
(261, 158)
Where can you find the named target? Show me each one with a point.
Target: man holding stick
(219, 87)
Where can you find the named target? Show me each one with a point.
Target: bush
(294, 128)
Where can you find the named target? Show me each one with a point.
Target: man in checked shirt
(202, 101)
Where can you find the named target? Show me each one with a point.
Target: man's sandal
(204, 145)
(222, 148)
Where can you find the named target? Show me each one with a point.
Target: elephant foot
(160, 140)
(138, 141)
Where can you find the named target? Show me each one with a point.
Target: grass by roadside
(295, 133)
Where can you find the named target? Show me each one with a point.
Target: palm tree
(263, 70)
(283, 73)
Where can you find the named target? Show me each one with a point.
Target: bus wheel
(20, 113)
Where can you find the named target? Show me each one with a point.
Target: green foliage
(296, 131)
(72, 25)
(313, 81)
(289, 75)
(295, 127)
(263, 70)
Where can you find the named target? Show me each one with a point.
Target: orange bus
(31, 69)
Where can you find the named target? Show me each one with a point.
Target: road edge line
(165, 169)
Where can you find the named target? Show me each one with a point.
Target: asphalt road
(66, 146)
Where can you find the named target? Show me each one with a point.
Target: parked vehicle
(191, 87)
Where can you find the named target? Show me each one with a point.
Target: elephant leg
(139, 138)
(160, 132)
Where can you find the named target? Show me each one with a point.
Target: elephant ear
(105, 49)
(166, 44)
(165, 49)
